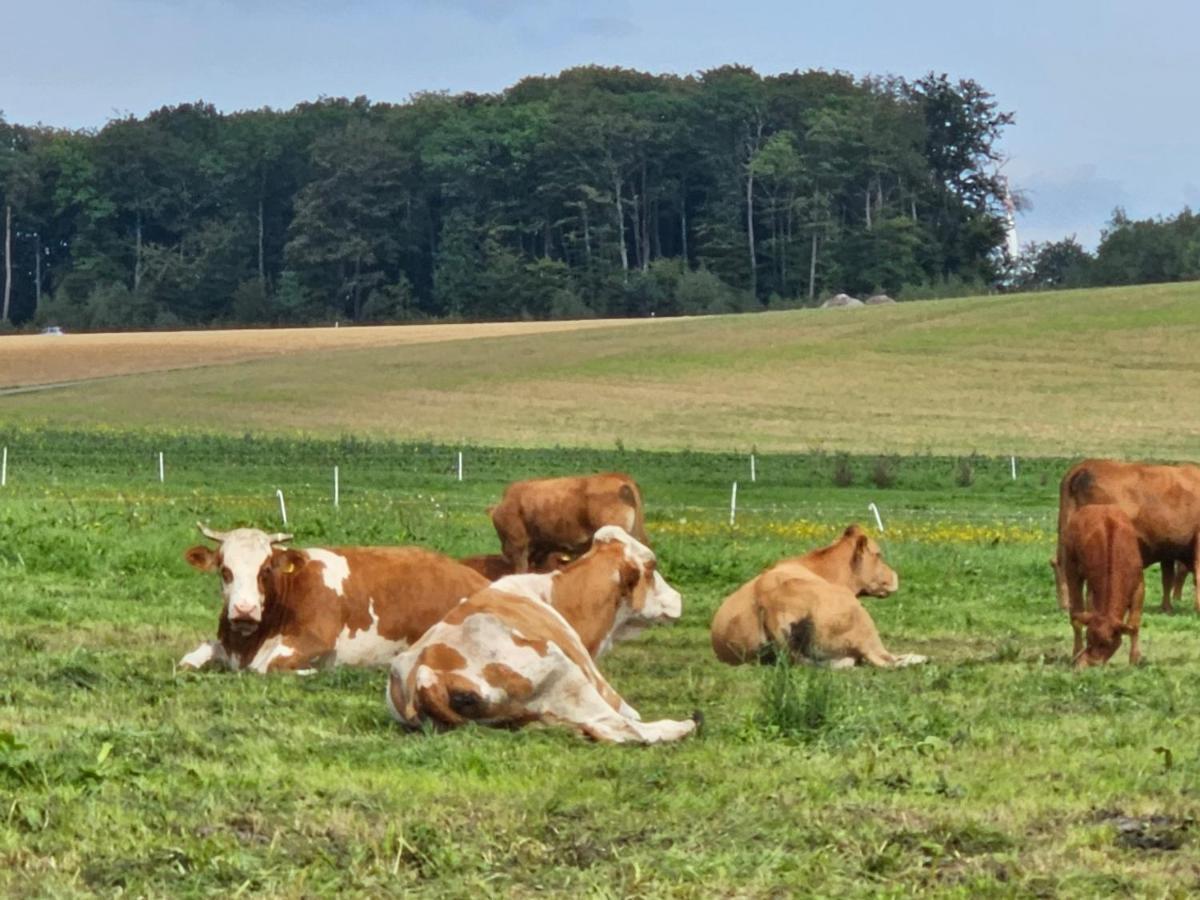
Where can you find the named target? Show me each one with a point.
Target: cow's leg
(1135, 622)
(208, 653)
(300, 654)
(1074, 585)
(1170, 583)
(1181, 574)
(1060, 585)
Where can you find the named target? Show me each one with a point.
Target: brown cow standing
(547, 514)
(1100, 549)
(1162, 503)
(808, 606)
(297, 609)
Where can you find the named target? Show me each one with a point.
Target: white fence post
(282, 506)
(460, 465)
(4, 469)
(878, 521)
(733, 504)
(753, 474)
(162, 471)
(1014, 468)
(336, 489)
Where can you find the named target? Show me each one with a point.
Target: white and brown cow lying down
(290, 609)
(808, 606)
(522, 650)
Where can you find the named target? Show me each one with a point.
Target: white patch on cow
(207, 653)
(271, 650)
(335, 568)
(532, 585)
(662, 600)
(243, 553)
(365, 646)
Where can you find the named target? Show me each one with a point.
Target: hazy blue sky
(1105, 92)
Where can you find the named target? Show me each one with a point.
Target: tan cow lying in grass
(284, 608)
(808, 606)
(1100, 549)
(522, 650)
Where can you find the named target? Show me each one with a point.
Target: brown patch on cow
(538, 647)
(443, 658)
(512, 682)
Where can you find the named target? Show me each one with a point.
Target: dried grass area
(44, 359)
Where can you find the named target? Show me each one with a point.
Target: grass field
(992, 771)
(1072, 373)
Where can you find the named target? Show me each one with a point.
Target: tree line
(598, 191)
(1131, 251)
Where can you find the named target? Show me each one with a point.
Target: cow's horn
(279, 537)
(218, 536)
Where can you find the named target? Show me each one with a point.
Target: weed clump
(883, 473)
(796, 701)
(843, 473)
(964, 474)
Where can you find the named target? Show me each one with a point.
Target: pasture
(1068, 374)
(993, 770)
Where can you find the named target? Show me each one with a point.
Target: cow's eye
(226, 575)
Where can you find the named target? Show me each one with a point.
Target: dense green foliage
(594, 192)
(992, 771)
(1131, 251)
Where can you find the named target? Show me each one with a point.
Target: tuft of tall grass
(797, 701)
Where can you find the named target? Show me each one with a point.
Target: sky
(1106, 95)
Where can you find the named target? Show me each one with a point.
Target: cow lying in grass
(1100, 549)
(284, 608)
(522, 650)
(808, 607)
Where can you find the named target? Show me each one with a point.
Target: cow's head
(870, 575)
(248, 560)
(646, 593)
(1103, 637)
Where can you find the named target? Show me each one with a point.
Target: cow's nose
(244, 611)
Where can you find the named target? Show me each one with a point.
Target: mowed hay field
(1067, 373)
(995, 770)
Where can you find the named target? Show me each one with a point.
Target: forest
(595, 192)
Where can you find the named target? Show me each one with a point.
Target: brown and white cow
(1100, 549)
(561, 514)
(1162, 503)
(522, 650)
(496, 565)
(808, 606)
(290, 609)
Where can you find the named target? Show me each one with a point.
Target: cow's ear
(284, 562)
(1082, 619)
(630, 575)
(200, 557)
(853, 530)
(860, 548)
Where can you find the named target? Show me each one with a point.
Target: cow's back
(1162, 502)
(404, 589)
(566, 512)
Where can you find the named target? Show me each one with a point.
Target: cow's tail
(632, 496)
(1073, 492)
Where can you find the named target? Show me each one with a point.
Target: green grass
(1069, 373)
(994, 770)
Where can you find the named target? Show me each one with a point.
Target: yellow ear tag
(291, 567)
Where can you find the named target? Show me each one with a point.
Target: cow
(808, 606)
(496, 565)
(561, 514)
(1100, 549)
(289, 609)
(1162, 503)
(523, 649)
